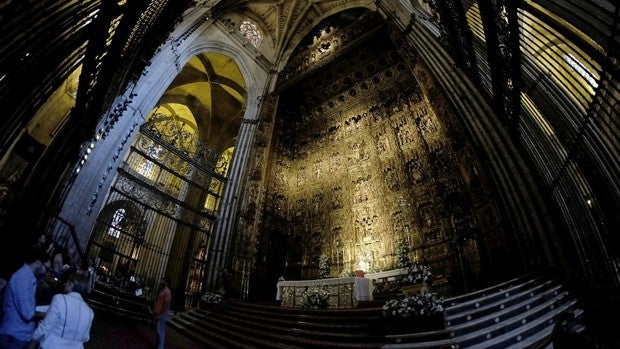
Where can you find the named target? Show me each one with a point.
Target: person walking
(161, 309)
(68, 320)
(19, 302)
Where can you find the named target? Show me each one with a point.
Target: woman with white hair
(68, 320)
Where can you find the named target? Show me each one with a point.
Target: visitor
(161, 310)
(19, 302)
(59, 263)
(68, 320)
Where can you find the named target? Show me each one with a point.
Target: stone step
(311, 316)
(341, 326)
(503, 305)
(219, 336)
(489, 319)
(540, 312)
(492, 295)
(515, 311)
(266, 336)
(462, 330)
(510, 326)
(475, 295)
(521, 334)
(535, 341)
(520, 313)
(526, 336)
(301, 329)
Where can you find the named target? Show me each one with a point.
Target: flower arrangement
(315, 298)
(423, 304)
(416, 273)
(212, 298)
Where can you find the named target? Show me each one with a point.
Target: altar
(341, 292)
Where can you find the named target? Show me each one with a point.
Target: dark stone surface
(109, 332)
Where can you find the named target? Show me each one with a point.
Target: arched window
(117, 221)
(251, 33)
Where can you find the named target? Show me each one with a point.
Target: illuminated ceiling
(213, 90)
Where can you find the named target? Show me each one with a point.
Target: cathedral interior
(241, 141)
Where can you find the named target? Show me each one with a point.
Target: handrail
(60, 234)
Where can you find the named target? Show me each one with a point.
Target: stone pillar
(220, 245)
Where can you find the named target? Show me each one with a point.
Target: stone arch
(298, 39)
(110, 229)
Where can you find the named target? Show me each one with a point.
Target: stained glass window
(250, 31)
(115, 228)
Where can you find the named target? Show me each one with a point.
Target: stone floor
(111, 332)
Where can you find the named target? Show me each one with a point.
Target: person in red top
(162, 307)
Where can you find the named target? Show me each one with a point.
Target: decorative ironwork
(171, 184)
(190, 150)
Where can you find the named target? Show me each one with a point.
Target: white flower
(416, 305)
(212, 298)
(416, 273)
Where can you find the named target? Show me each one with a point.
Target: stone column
(220, 245)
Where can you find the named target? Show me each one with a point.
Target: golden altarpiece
(361, 154)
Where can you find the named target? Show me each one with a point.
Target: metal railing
(63, 234)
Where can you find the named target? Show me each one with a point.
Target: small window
(117, 221)
(251, 33)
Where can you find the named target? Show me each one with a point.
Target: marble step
(260, 334)
(535, 341)
(500, 305)
(219, 336)
(494, 295)
(338, 314)
(512, 312)
(474, 295)
(520, 337)
(333, 332)
(549, 310)
(488, 319)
